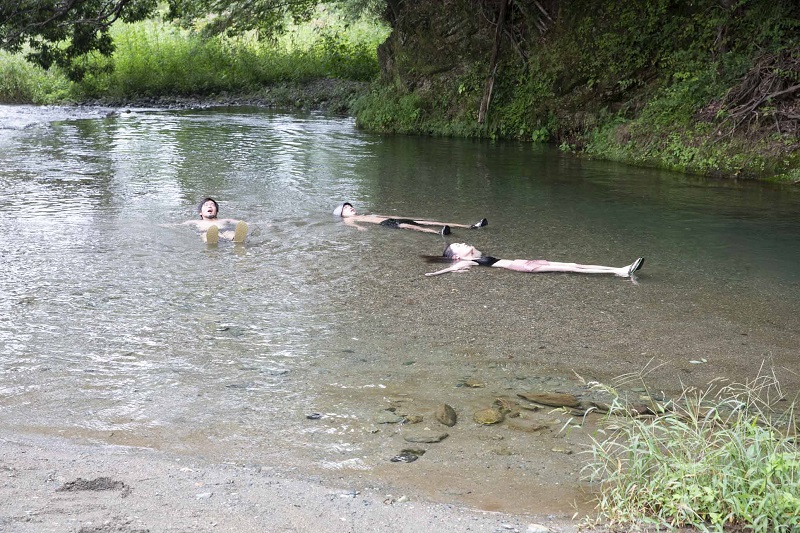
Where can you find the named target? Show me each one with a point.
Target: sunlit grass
(24, 83)
(155, 58)
(721, 457)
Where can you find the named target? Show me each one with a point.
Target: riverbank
(328, 95)
(55, 484)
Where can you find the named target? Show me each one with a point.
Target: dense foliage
(234, 17)
(65, 33)
(57, 32)
(156, 59)
(709, 86)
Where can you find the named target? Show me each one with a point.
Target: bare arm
(461, 266)
(350, 222)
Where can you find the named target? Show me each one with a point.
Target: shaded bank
(707, 88)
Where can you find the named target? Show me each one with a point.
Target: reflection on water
(118, 324)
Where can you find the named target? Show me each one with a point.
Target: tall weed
(23, 82)
(723, 456)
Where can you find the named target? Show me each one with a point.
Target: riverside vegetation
(726, 456)
(158, 61)
(708, 87)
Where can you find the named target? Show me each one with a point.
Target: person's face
(464, 251)
(208, 210)
(348, 211)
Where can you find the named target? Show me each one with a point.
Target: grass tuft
(720, 457)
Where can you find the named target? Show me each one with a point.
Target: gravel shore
(50, 484)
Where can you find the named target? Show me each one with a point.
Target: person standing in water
(212, 227)
(352, 218)
(463, 257)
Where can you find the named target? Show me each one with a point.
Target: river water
(119, 326)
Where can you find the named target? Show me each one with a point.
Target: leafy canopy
(63, 32)
(233, 17)
(58, 32)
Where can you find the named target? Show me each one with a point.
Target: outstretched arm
(456, 267)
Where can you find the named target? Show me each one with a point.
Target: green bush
(384, 110)
(720, 457)
(23, 82)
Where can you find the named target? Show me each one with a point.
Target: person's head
(460, 250)
(208, 208)
(344, 210)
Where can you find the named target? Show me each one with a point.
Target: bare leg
(238, 235)
(540, 265)
(481, 223)
(551, 266)
(440, 224)
(624, 272)
(424, 229)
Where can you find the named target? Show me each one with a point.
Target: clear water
(120, 326)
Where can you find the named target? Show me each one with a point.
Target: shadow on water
(119, 325)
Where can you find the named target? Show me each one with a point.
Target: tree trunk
(498, 37)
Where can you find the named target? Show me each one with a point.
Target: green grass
(717, 458)
(155, 58)
(24, 83)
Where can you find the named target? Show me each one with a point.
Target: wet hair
(203, 201)
(448, 257)
(340, 209)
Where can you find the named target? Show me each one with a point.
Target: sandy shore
(51, 484)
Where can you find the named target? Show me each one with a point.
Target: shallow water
(119, 325)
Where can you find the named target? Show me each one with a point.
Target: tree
(233, 17)
(60, 32)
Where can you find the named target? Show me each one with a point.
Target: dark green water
(119, 326)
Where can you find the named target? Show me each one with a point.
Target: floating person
(463, 256)
(352, 218)
(212, 227)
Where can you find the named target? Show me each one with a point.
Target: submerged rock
(446, 415)
(408, 455)
(508, 407)
(412, 419)
(528, 426)
(488, 416)
(385, 416)
(472, 383)
(552, 399)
